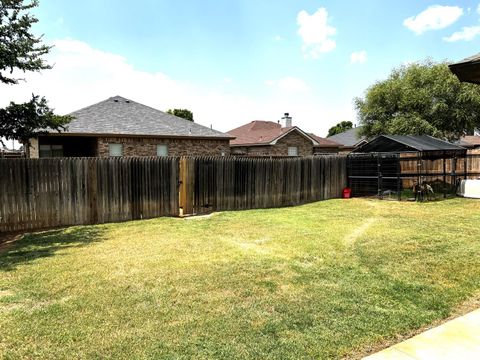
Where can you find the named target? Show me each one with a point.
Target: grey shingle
(120, 116)
(470, 59)
(348, 138)
(400, 143)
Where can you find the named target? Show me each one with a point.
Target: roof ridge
(392, 137)
(120, 115)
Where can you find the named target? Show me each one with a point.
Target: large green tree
(21, 51)
(422, 98)
(183, 113)
(340, 127)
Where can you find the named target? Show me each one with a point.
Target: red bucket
(347, 193)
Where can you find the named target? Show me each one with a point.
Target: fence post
(444, 177)
(379, 170)
(187, 177)
(399, 184)
(92, 189)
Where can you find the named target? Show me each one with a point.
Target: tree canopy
(23, 121)
(340, 127)
(21, 51)
(422, 98)
(183, 113)
(19, 48)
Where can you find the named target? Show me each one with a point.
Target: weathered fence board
(46, 193)
(251, 183)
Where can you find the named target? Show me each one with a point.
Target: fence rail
(45, 193)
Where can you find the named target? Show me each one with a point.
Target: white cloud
(82, 76)
(466, 34)
(315, 33)
(277, 38)
(358, 57)
(288, 84)
(435, 17)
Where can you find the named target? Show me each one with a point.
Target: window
(115, 149)
(292, 151)
(51, 151)
(162, 150)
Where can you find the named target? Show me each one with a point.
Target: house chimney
(287, 120)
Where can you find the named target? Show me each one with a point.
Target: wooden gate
(210, 184)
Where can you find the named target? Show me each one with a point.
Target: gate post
(186, 180)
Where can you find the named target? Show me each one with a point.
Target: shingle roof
(322, 142)
(121, 116)
(469, 140)
(470, 59)
(260, 132)
(257, 132)
(349, 138)
(400, 143)
(468, 69)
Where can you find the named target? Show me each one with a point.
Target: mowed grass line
(324, 280)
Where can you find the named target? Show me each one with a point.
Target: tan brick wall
(176, 147)
(304, 146)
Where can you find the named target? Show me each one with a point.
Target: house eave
(467, 72)
(328, 146)
(251, 144)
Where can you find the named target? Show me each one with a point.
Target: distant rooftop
(120, 116)
(349, 138)
(469, 141)
(468, 69)
(261, 132)
(470, 59)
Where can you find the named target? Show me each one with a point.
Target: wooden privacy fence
(45, 193)
(454, 168)
(216, 184)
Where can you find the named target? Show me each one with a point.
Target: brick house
(268, 138)
(122, 127)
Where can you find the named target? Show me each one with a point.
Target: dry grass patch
(324, 280)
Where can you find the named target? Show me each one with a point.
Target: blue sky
(236, 61)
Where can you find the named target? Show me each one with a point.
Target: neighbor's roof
(257, 133)
(403, 143)
(349, 138)
(469, 140)
(120, 116)
(324, 142)
(468, 69)
(469, 60)
(260, 132)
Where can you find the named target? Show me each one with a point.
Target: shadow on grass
(45, 244)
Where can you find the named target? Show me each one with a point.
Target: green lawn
(323, 280)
